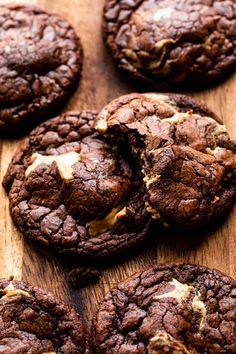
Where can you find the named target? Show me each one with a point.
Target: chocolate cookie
(169, 43)
(186, 157)
(33, 321)
(177, 308)
(40, 63)
(70, 189)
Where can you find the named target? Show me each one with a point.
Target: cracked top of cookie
(176, 308)
(33, 321)
(171, 42)
(70, 189)
(40, 62)
(187, 159)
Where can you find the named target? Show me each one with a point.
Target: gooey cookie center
(99, 226)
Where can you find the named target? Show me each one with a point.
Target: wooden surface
(101, 83)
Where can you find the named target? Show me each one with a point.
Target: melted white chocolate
(220, 129)
(163, 338)
(10, 290)
(178, 117)
(159, 97)
(209, 151)
(215, 200)
(199, 306)
(101, 125)
(64, 163)
(163, 43)
(180, 291)
(155, 215)
(99, 226)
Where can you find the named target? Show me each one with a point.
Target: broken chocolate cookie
(71, 190)
(169, 43)
(40, 63)
(186, 157)
(176, 308)
(33, 321)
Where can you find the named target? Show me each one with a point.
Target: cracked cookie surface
(176, 308)
(34, 321)
(71, 190)
(170, 42)
(40, 63)
(187, 159)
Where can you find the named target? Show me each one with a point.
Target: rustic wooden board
(101, 83)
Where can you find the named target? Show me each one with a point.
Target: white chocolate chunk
(10, 290)
(64, 163)
(220, 129)
(162, 13)
(155, 215)
(178, 117)
(180, 291)
(158, 97)
(101, 125)
(150, 180)
(199, 306)
(99, 226)
(209, 151)
(215, 200)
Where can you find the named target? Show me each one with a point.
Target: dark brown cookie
(176, 308)
(70, 189)
(169, 43)
(187, 159)
(40, 63)
(33, 321)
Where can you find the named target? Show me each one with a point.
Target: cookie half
(34, 321)
(40, 64)
(176, 308)
(169, 43)
(71, 190)
(187, 159)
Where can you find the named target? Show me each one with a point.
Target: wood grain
(101, 83)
